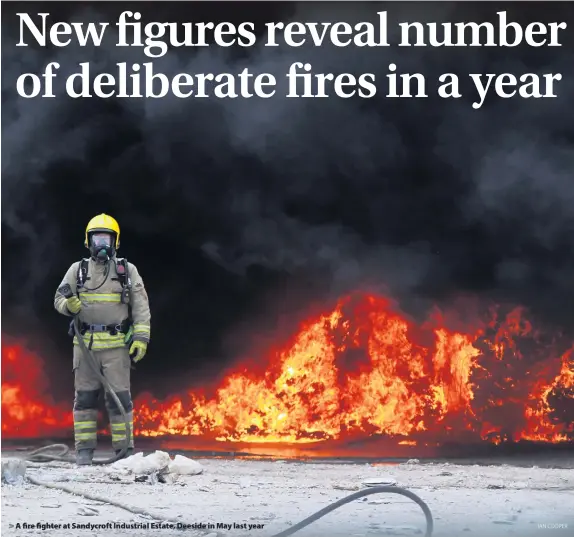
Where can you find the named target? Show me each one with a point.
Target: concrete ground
(484, 501)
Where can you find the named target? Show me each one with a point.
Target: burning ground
(360, 369)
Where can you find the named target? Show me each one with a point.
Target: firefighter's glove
(138, 350)
(74, 305)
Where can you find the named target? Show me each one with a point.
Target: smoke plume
(234, 208)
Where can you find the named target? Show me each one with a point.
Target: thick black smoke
(238, 210)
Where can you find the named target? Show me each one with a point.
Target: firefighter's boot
(84, 457)
(129, 453)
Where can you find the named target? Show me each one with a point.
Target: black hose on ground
(360, 494)
(43, 454)
(285, 533)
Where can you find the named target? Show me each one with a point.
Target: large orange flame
(361, 369)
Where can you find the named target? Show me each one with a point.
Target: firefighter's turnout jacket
(103, 305)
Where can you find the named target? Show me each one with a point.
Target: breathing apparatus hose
(46, 453)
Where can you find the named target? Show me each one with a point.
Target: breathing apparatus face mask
(102, 246)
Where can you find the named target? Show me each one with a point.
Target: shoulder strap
(82, 275)
(122, 270)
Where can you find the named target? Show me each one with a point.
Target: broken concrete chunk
(181, 465)
(139, 465)
(382, 481)
(155, 466)
(13, 471)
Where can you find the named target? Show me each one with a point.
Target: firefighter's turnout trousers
(102, 305)
(115, 366)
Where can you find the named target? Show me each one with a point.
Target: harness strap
(121, 269)
(113, 329)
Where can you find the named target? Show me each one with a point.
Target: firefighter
(111, 301)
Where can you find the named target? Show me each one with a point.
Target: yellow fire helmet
(103, 222)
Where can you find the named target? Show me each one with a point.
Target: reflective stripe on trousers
(118, 430)
(85, 432)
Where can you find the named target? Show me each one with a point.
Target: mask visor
(102, 240)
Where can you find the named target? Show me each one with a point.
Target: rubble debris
(157, 467)
(294, 492)
(163, 476)
(181, 465)
(13, 471)
(139, 465)
(383, 481)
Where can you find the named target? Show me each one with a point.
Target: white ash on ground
(485, 501)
